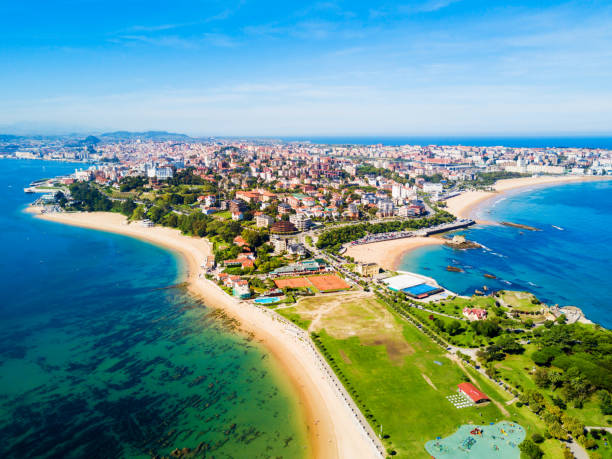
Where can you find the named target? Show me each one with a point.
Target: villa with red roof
(475, 313)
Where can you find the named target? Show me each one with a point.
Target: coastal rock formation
(521, 226)
(460, 242)
(454, 269)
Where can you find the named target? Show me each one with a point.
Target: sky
(278, 68)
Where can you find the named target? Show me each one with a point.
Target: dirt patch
(426, 378)
(344, 357)
(396, 349)
(356, 314)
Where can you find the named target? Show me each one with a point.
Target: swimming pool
(266, 300)
(480, 442)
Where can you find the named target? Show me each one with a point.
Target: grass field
(516, 367)
(225, 215)
(392, 367)
(520, 301)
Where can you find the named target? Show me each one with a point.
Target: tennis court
(328, 283)
(323, 283)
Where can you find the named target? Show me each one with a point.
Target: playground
(499, 440)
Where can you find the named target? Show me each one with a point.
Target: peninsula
(303, 251)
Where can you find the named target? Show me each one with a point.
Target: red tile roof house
(475, 313)
(239, 241)
(470, 391)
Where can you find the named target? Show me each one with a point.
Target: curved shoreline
(331, 431)
(389, 254)
(466, 204)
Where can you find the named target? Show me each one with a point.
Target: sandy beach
(332, 429)
(464, 205)
(389, 254)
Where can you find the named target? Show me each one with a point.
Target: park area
(399, 377)
(322, 283)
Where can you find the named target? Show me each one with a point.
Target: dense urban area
(280, 217)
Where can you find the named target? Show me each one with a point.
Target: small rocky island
(460, 242)
(454, 269)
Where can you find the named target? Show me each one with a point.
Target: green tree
(530, 449)
(138, 213)
(454, 327)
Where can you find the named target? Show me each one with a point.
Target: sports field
(322, 283)
(293, 282)
(397, 372)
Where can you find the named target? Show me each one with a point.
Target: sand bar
(332, 429)
(464, 205)
(389, 254)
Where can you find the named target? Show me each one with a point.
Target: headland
(332, 429)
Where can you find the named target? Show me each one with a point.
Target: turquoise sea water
(566, 266)
(100, 357)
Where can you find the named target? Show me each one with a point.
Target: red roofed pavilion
(472, 393)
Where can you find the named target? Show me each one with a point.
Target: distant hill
(148, 135)
(91, 140)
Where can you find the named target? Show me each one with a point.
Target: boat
(557, 227)
(490, 276)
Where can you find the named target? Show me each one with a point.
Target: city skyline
(437, 67)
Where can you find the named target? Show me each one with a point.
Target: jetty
(443, 228)
(520, 226)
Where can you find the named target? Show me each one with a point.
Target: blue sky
(240, 67)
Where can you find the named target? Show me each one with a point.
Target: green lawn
(225, 215)
(590, 413)
(290, 314)
(468, 338)
(604, 445)
(390, 368)
(399, 397)
(521, 301)
(515, 368)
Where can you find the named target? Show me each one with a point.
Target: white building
(432, 187)
(82, 176)
(302, 222)
(263, 221)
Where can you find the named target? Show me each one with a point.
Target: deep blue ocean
(507, 141)
(568, 265)
(103, 356)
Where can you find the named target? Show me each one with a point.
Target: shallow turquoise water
(567, 265)
(100, 356)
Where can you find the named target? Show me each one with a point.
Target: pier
(372, 238)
